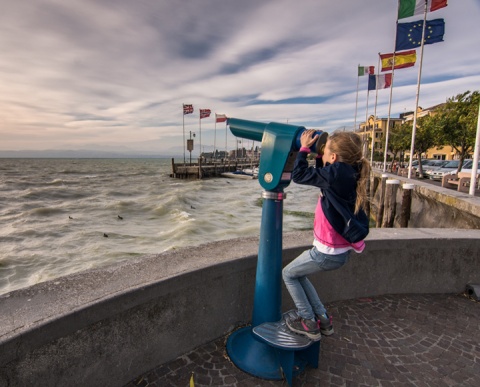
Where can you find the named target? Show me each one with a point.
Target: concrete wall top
(104, 327)
(27, 308)
(50, 300)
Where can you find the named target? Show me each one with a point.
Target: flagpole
(476, 152)
(356, 101)
(365, 127)
(253, 153)
(391, 93)
(215, 139)
(375, 111)
(387, 132)
(183, 108)
(414, 125)
(200, 141)
(226, 131)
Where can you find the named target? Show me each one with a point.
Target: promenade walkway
(393, 340)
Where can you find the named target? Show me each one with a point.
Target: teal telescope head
(280, 145)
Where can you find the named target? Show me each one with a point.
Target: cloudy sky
(113, 74)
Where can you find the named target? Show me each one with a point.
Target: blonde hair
(348, 148)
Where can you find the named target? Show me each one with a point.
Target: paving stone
(394, 340)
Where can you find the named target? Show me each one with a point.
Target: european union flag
(409, 35)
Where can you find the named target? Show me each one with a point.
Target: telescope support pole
(247, 352)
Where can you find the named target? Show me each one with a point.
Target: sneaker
(325, 323)
(308, 328)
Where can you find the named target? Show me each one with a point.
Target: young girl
(341, 171)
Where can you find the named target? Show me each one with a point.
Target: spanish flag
(402, 59)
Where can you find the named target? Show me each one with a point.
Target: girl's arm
(303, 174)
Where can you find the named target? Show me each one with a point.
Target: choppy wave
(57, 182)
(45, 211)
(60, 218)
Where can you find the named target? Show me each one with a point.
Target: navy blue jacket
(338, 182)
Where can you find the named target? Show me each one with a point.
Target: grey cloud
(129, 65)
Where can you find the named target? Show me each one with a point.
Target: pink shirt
(327, 240)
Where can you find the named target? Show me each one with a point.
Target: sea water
(61, 216)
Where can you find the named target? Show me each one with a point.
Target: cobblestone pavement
(397, 340)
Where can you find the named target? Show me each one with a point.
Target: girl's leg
(293, 276)
(300, 288)
(325, 262)
(312, 295)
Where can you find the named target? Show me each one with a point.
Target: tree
(456, 123)
(400, 137)
(425, 138)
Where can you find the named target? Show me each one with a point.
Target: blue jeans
(300, 288)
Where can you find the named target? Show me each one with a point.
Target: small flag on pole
(204, 113)
(364, 70)
(187, 109)
(382, 81)
(220, 117)
(409, 35)
(402, 60)
(409, 8)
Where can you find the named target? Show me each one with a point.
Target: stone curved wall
(106, 326)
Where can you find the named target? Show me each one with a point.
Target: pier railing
(210, 167)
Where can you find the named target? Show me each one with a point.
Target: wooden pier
(210, 168)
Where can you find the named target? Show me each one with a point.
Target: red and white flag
(376, 82)
(220, 117)
(204, 113)
(187, 109)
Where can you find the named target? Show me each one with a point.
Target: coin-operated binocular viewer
(280, 144)
(269, 353)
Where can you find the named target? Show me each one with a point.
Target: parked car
(467, 167)
(433, 165)
(450, 167)
(415, 165)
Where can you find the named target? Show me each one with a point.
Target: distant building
(439, 153)
(376, 128)
(242, 153)
(217, 155)
(421, 112)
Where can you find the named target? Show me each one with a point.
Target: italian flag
(409, 8)
(364, 70)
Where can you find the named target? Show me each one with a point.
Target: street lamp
(190, 146)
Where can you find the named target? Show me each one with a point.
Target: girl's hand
(306, 139)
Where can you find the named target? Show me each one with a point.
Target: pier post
(174, 172)
(406, 204)
(381, 204)
(369, 196)
(390, 203)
